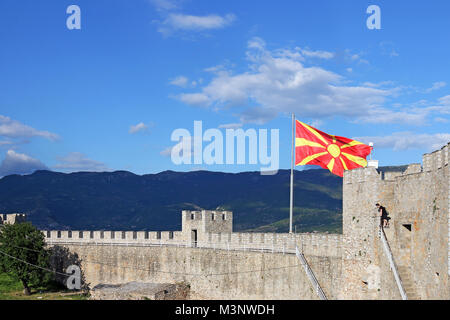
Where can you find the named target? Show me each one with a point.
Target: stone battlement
(12, 218)
(432, 162)
(199, 229)
(437, 159)
(113, 236)
(316, 244)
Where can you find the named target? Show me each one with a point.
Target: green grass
(8, 284)
(11, 289)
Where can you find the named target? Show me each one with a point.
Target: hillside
(124, 201)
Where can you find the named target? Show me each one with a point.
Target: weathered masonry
(216, 262)
(408, 260)
(418, 203)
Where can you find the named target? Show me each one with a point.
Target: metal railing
(312, 278)
(388, 252)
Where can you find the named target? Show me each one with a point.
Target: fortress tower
(195, 224)
(418, 203)
(12, 218)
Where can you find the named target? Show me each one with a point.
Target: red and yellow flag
(335, 153)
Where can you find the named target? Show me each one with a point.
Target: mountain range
(122, 200)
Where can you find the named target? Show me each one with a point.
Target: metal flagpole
(291, 207)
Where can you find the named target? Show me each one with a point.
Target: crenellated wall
(208, 223)
(222, 264)
(219, 265)
(320, 244)
(309, 243)
(143, 237)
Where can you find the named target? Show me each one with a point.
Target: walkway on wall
(408, 283)
(289, 248)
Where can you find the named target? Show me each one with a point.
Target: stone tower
(418, 203)
(196, 224)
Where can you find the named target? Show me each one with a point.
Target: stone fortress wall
(221, 264)
(317, 243)
(216, 262)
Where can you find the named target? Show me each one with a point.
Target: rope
(36, 266)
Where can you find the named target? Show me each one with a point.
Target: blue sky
(108, 96)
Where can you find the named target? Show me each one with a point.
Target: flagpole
(291, 206)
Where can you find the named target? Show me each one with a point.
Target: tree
(23, 254)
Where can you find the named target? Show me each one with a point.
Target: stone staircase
(408, 283)
(404, 273)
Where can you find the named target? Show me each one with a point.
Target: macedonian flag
(335, 153)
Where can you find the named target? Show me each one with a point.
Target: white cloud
(185, 22)
(317, 54)
(198, 99)
(184, 82)
(441, 107)
(441, 120)
(180, 81)
(230, 126)
(393, 53)
(349, 57)
(317, 123)
(6, 143)
(383, 116)
(445, 100)
(444, 105)
(14, 129)
(379, 84)
(436, 86)
(166, 152)
(215, 69)
(388, 48)
(257, 115)
(178, 148)
(137, 128)
(256, 43)
(165, 5)
(76, 161)
(278, 82)
(19, 163)
(399, 141)
(173, 20)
